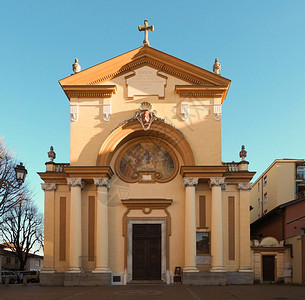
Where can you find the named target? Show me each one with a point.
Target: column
(49, 227)
(76, 185)
(244, 227)
(190, 225)
(101, 263)
(216, 225)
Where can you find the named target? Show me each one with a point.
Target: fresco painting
(146, 157)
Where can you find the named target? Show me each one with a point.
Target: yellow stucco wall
(296, 260)
(201, 130)
(280, 188)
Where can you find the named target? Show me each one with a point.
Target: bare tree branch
(9, 187)
(22, 228)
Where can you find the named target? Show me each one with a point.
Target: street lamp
(20, 173)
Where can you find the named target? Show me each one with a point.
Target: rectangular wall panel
(231, 221)
(62, 227)
(91, 227)
(202, 212)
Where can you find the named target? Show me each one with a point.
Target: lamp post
(21, 172)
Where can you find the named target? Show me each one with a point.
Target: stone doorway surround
(146, 206)
(162, 222)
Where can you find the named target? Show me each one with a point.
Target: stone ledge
(87, 279)
(52, 278)
(239, 277)
(75, 279)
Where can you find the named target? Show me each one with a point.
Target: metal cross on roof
(146, 28)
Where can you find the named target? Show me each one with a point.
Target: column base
(247, 269)
(218, 269)
(73, 270)
(102, 270)
(48, 271)
(190, 269)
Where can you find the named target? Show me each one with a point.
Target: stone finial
(76, 66)
(216, 67)
(243, 153)
(51, 154)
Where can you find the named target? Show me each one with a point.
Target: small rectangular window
(202, 243)
(265, 180)
(258, 187)
(265, 198)
(37, 263)
(258, 202)
(301, 173)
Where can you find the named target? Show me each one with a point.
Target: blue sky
(260, 45)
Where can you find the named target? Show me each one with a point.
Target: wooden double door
(146, 251)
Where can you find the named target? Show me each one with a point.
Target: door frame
(161, 221)
(274, 267)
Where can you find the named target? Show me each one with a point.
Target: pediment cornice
(139, 57)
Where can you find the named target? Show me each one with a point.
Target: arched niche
(133, 130)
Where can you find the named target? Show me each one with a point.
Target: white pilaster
(216, 225)
(76, 185)
(101, 265)
(49, 222)
(190, 225)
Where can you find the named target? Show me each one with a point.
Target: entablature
(202, 91)
(204, 173)
(89, 91)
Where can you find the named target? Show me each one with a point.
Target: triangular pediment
(145, 56)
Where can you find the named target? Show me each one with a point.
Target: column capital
(49, 186)
(218, 181)
(190, 181)
(102, 181)
(245, 186)
(75, 181)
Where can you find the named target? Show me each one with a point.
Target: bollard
(25, 280)
(7, 281)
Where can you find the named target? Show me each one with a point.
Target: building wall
(280, 188)
(34, 263)
(201, 130)
(296, 260)
(295, 219)
(271, 226)
(122, 190)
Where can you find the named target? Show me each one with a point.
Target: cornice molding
(134, 59)
(204, 173)
(89, 91)
(89, 172)
(201, 91)
(147, 203)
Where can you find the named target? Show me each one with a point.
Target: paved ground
(246, 292)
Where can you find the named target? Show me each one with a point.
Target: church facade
(146, 191)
